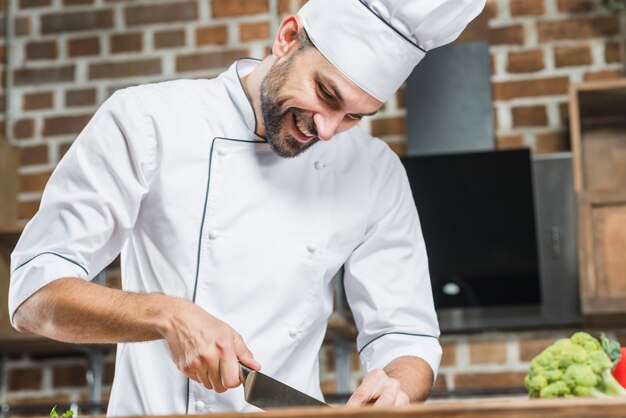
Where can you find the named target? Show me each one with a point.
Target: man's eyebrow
(319, 78)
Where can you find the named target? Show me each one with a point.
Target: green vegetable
(612, 348)
(575, 366)
(66, 414)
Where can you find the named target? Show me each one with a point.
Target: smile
(300, 132)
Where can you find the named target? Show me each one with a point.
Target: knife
(264, 392)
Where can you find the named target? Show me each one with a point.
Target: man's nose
(327, 124)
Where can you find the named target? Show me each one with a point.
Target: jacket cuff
(33, 274)
(383, 350)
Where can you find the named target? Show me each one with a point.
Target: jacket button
(221, 152)
(200, 406)
(293, 332)
(319, 165)
(311, 247)
(213, 234)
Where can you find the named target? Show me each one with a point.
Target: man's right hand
(206, 349)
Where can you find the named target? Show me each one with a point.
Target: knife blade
(265, 392)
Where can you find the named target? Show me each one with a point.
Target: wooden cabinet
(598, 131)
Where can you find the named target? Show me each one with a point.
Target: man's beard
(276, 119)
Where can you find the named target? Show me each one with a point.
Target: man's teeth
(303, 129)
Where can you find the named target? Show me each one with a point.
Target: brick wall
(70, 55)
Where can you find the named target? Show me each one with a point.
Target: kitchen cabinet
(598, 132)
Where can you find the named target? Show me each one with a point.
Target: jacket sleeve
(386, 278)
(91, 201)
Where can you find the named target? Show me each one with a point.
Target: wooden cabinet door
(602, 252)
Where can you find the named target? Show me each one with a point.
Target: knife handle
(244, 371)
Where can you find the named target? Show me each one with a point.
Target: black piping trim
(206, 200)
(392, 28)
(52, 253)
(397, 333)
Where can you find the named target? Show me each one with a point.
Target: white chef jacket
(172, 175)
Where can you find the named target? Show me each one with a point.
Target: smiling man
(234, 202)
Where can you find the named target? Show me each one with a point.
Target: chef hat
(377, 43)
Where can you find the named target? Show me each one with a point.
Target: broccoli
(575, 366)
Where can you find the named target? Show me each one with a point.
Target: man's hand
(206, 349)
(380, 390)
(404, 380)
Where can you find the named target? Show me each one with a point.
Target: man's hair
(304, 41)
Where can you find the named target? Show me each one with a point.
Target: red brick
(208, 60)
(489, 380)
(487, 352)
(63, 148)
(23, 129)
(491, 7)
(398, 147)
(27, 4)
(31, 400)
(169, 39)
(388, 126)
(529, 349)
(526, 7)
(227, 8)
(22, 26)
(604, 75)
(564, 113)
(84, 46)
(73, 375)
(24, 379)
(34, 101)
(572, 56)
(552, 86)
(509, 142)
(575, 6)
(33, 182)
(579, 28)
(76, 21)
(525, 61)
(212, 35)
(161, 13)
(64, 125)
(27, 210)
(507, 35)
(440, 383)
(43, 75)
(76, 2)
(37, 154)
(124, 69)
(2, 53)
(529, 116)
(449, 354)
(552, 142)
(83, 97)
(284, 6)
(127, 42)
(41, 50)
(254, 31)
(613, 52)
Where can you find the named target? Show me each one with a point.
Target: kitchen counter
(514, 408)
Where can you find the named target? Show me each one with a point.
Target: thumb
(244, 355)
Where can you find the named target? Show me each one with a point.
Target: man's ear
(287, 36)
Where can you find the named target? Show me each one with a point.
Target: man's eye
(325, 93)
(354, 117)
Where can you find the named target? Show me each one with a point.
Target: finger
(367, 390)
(202, 377)
(213, 372)
(387, 396)
(229, 370)
(402, 399)
(244, 354)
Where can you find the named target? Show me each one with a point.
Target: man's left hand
(379, 389)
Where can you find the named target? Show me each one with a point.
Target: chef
(234, 202)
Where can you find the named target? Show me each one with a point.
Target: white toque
(377, 43)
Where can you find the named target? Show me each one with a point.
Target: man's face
(304, 98)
